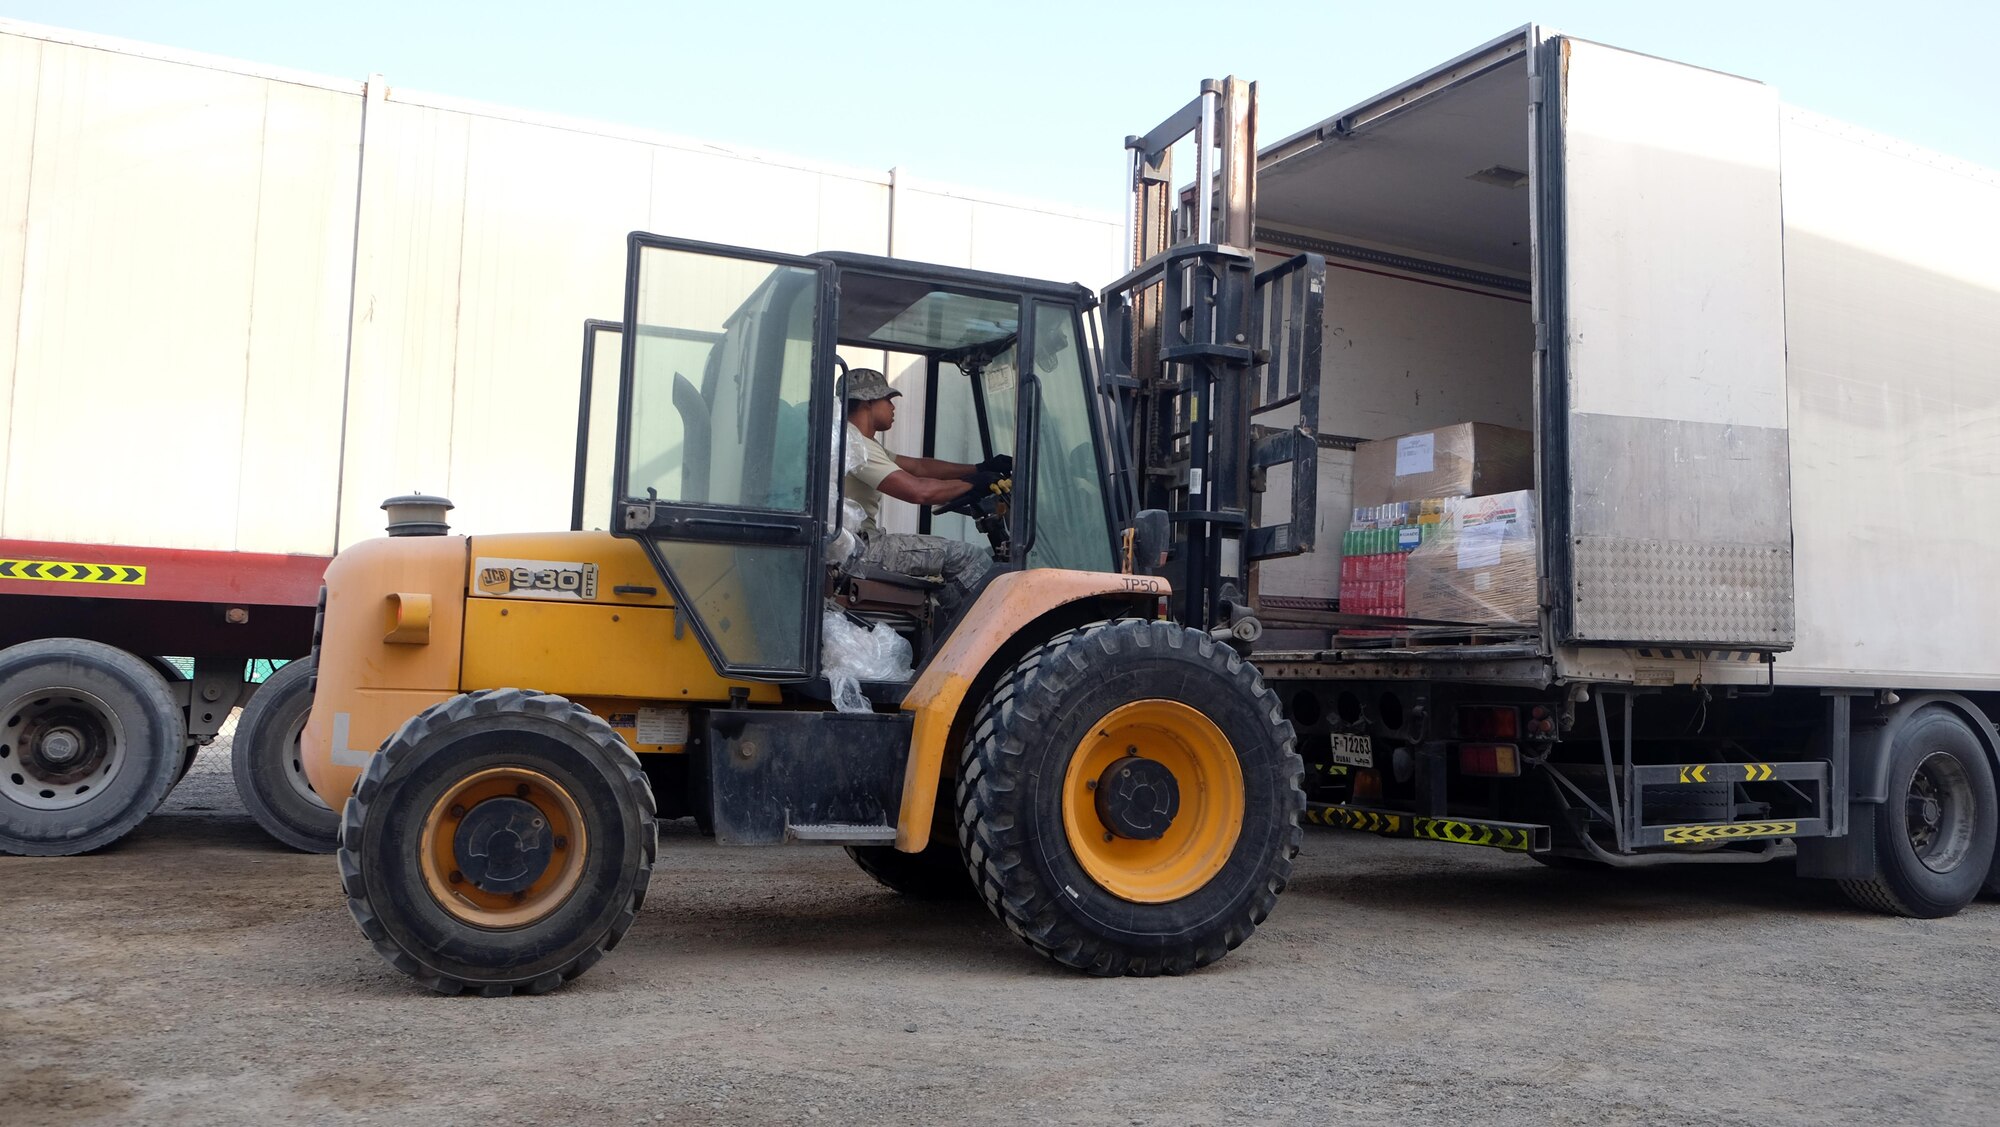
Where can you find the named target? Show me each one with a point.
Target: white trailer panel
(1660, 243)
(217, 270)
(1892, 274)
(20, 76)
(162, 212)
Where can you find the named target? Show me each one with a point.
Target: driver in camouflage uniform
(871, 410)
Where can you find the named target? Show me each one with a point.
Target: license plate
(1352, 750)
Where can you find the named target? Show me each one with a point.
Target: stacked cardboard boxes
(1444, 529)
(1480, 567)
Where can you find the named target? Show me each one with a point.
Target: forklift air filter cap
(416, 514)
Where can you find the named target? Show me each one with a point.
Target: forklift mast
(1212, 369)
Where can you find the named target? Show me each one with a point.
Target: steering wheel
(986, 508)
(975, 503)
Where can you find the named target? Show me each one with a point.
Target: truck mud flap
(778, 777)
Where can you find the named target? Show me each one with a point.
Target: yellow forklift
(502, 718)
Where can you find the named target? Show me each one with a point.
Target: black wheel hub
(1137, 798)
(1928, 813)
(64, 745)
(503, 845)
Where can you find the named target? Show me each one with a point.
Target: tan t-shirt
(865, 482)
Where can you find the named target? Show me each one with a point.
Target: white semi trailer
(1759, 355)
(241, 306)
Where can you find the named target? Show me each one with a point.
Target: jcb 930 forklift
(504, 717)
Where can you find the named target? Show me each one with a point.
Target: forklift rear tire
(264, 757)
(1934, 837)
(937, 873)
(90, 743)
(500, 842)
(1129, 800)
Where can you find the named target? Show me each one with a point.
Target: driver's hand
(998, 463)
(983, 481)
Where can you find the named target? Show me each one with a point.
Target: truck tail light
(1496, 760)
(1367, 785)
(1541, 724)
(1489, 722)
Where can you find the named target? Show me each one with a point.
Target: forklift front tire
(500, 842)
(1129, 800)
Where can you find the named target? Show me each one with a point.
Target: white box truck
(1759, 354)
(240, 306)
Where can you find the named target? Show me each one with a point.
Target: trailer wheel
(500, 842)
(90, 742)
(1934, 837)
(1129, 800)
(937, 873)
(172, 673)
(265, 760)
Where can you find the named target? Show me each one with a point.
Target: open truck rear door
(1665, 457)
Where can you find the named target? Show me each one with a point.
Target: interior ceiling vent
(1500, 176)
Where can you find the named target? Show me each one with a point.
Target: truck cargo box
(1754, 347)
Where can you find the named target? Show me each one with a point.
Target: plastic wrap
(851, 654)
(844, 538)
(1479, 567)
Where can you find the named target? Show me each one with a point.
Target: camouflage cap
(866, 384)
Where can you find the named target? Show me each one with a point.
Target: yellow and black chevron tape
(1368, 821)
(1691, 835)
(63, 571)
(1471, 833)
(1726, 772)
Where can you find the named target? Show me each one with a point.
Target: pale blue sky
(1034, 98)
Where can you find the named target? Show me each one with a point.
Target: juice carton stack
(1375, 551)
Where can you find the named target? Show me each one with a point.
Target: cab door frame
(653, 521)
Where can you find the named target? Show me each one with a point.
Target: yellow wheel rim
(460, 895)
(1203, 832)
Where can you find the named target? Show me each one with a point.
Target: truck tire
(1934, 837)
(91, 741)
(937, 873)
(500, 842)
(172, 673)
(1129, 799)
(270, 779)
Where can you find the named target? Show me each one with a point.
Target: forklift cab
(731, 439)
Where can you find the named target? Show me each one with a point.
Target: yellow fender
(1004, 608)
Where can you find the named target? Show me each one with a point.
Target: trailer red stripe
(43, 567)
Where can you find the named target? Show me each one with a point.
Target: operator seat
(878, 594)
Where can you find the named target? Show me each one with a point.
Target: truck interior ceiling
(1420, 202)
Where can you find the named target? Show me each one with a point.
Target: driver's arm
(922, 490)
(937, 469)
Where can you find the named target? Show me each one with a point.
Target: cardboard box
(1462, 460)
(1480, 567)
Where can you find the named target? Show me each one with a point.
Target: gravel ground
(198, 973)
